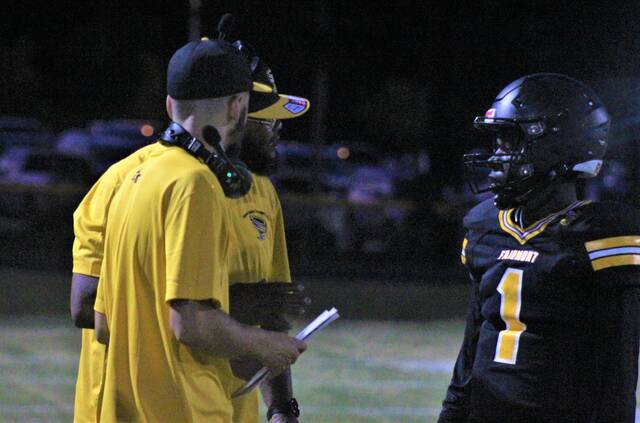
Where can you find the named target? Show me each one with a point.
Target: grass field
(356, 371)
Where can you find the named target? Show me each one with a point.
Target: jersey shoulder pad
(608, 219)
(482, 218)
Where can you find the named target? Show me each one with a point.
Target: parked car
(23, 132)
(41, 183)
(339, 196)
(340, 169)
(104, 142)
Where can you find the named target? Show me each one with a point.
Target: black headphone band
(235, 180)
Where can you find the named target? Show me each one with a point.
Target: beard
(260, 155)
(236, 135)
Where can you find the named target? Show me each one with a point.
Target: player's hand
(265, 303)
(278, 351)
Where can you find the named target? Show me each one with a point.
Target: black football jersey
(553, 318)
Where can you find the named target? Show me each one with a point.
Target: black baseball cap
(273, 105)
(266, 102)
(207, 69)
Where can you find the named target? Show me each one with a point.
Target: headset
(234, 177)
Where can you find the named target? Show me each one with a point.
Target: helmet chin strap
(510, 197)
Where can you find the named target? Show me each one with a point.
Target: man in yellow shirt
(164, 279)
(90, 220)
(255, 258)
(261, 251)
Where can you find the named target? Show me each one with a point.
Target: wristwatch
(289, 408)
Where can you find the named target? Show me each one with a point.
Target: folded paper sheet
(320, 322)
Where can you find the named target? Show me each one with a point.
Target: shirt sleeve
(455, 407)
(89, 222)
(280, 271)
(618, 324)
(196, 243)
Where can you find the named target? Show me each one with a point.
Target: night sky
(401, 75)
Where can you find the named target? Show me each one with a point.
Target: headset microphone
(211, 135)
(234, 178)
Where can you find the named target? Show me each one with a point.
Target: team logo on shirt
(136, 176)
(259, 221)
(519, 255)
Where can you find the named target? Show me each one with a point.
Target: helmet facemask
(524, 159)
(548, 128)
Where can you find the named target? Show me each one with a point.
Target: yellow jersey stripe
(522, 238)
(523, 235)
(618, 241)
(613, 261)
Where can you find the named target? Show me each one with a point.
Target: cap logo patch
(295, 106)
(491, 113)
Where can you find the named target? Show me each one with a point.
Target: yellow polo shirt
(258, 252)
(167, 238)
(89, 221)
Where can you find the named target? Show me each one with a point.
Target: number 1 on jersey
(510, 288)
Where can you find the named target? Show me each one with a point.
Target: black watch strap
(290, 408)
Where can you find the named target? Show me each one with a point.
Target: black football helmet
(546, 127)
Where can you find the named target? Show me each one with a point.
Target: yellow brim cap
(261, 88)
(286, 107)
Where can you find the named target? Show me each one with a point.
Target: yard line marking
(430, 366)
(38, 409)
(394, 384)
(372, 411)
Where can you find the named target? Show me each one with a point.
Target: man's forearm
(455, 406)
(83, 296)
(200, 325)
(277, 390)
(213, 331)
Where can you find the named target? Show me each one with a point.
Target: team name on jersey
(519, 255)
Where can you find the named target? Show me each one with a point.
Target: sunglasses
(269, 124)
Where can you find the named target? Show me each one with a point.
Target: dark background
(406, 77)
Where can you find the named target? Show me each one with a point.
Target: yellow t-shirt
(90, 217)
(258, 247)
(261, 254)
(89, 222)
(258, 251)
(167, 238)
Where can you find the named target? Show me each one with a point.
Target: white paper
(319, 323)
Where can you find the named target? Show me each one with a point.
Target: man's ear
(234, 107)
(169, 106)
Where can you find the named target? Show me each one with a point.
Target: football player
(552, 325)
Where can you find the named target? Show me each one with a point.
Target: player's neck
(548, 201)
